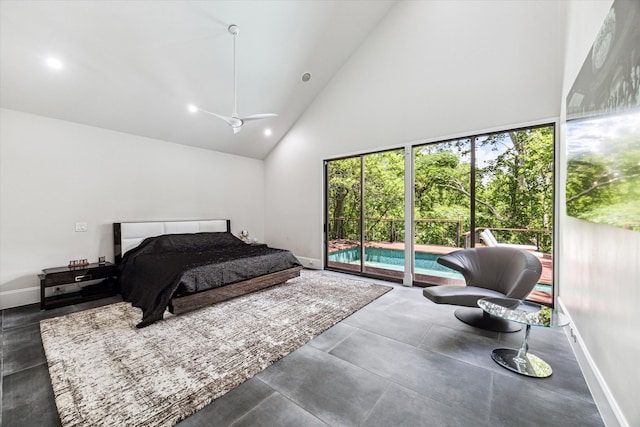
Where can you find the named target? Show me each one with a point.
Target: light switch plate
(81, 226)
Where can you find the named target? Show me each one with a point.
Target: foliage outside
(514, 190)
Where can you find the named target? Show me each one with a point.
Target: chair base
(476, 317)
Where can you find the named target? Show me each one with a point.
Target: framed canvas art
(603, 125)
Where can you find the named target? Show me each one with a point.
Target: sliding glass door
(365, 214)
(483, 190)
(344, 214)
(514, 196)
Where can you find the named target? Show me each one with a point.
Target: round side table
(528, 314)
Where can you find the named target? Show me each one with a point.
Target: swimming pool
(393, 259)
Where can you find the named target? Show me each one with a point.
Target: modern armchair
(489, 272)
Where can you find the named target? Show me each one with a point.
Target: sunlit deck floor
(545, 278)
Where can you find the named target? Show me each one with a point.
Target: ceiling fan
(234, 120)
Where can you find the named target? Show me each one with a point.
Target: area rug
(104, 371)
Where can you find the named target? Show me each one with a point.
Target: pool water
(393, 259)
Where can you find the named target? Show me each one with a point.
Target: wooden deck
(537, 296)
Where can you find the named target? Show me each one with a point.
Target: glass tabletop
(523, 312)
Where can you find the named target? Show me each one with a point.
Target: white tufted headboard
(128, 235)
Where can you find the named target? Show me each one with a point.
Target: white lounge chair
(489, 240)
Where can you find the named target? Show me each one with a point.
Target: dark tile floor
(400, 361)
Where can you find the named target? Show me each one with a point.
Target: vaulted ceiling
(134, 66)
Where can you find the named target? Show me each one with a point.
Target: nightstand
(61, 276)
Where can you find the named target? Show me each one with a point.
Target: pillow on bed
(202, 241)
(221, 239)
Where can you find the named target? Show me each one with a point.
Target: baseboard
(310, 262)
(18, 297)
(607, 404)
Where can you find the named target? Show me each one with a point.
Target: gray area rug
(104, 371)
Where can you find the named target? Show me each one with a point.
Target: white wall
(429, 70)
(443, 69)
(600, 267)
(55, 173)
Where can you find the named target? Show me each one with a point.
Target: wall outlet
(81, 226)
(310, 262)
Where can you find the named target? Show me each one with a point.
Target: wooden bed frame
(128, 235)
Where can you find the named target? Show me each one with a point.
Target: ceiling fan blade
(234, 122)
(258, 116)
(227, 119)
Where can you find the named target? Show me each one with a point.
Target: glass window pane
(343, 214)
(514, 195)
(441, 207)
(384, 213)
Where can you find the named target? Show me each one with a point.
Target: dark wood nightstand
(60, 276)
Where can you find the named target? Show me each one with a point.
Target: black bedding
(180, 264)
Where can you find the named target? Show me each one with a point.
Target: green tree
(514, 188)
(344, 197)
(384, 195)
(441, 189)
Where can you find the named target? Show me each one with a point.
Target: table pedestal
(520, 361)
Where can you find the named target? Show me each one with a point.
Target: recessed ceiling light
(192, 108)
(267, 132)
(54, 63)
(306, 77)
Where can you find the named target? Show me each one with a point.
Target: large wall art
(603, 125)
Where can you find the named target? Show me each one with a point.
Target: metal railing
(445, 232)
(432, 231)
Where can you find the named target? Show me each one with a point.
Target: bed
(185, 265)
